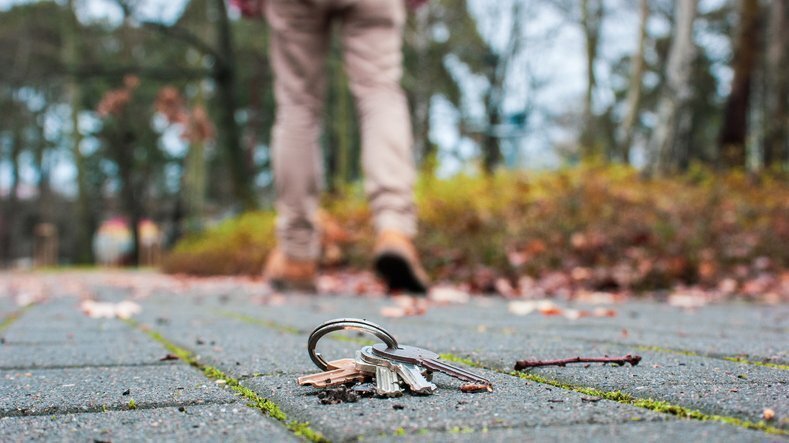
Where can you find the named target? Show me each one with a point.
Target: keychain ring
(341, 324)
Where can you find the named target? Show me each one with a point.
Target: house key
(428, 360)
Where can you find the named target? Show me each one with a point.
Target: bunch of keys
(389, 364)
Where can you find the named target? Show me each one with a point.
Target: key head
(407, 354)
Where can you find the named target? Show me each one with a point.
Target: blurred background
(600, 144)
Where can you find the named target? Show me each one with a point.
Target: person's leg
(372, 33)
(299, 42)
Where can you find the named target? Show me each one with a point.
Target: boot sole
(398, 274)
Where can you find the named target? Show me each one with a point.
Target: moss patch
(285, 329)
(265, 405)
(757, 363)
(13, 317)
(667, 350)
(294, 331)
(740, 360)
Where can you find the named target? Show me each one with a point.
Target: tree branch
(187, 37)
(159, 73)
(632, 359)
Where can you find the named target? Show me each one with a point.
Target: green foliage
(236, 246)
(603, 227)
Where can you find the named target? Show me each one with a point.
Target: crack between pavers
(24, 412)
(264, 405)
(84, 366)
(618, 396)
(678, 351)
(11, 318)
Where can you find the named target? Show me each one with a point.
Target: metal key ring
(340, 324)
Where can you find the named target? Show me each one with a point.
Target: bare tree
(665, 145)
(776, 141)
(734, 130)
(634, 91)
(592, 13)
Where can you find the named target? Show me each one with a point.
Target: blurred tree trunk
(776, 142)
(194, 181)
(339, 123)
(732, 138)
(636, 82)
(491, 149)
(425, 150)
(224, 75)
(85, 221)
(10, 205)
(591, 20)
(498, 70)
(667, 141)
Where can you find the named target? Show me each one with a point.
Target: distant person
(372, 34)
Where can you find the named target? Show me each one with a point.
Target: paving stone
(43, 392)
(238, 348)
(133, 351)
(199, 423)
(672, 430)
(514, 402)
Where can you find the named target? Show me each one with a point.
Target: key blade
(453, 371)
(387, 383)
(341, 363)
(412, 376)
(331, 378)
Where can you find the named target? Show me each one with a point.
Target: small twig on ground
(632, 359)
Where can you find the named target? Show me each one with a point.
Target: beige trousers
(371, 33)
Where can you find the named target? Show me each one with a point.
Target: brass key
(346, 372)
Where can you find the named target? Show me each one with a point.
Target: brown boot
(285, 273)
(397, 262)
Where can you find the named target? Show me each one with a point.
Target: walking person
(371, 34)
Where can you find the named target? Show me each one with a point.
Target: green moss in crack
(264, 405)
(668, 350)
(132, 405)
(766, 364)
(285, 329)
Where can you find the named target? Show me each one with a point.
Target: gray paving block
(238, 348)
(136, 350)
(199, 423)
(50, 391)
(672, 430)
(514, 402)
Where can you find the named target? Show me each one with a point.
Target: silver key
(387, 382)
(428, 360)
(412, 376)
